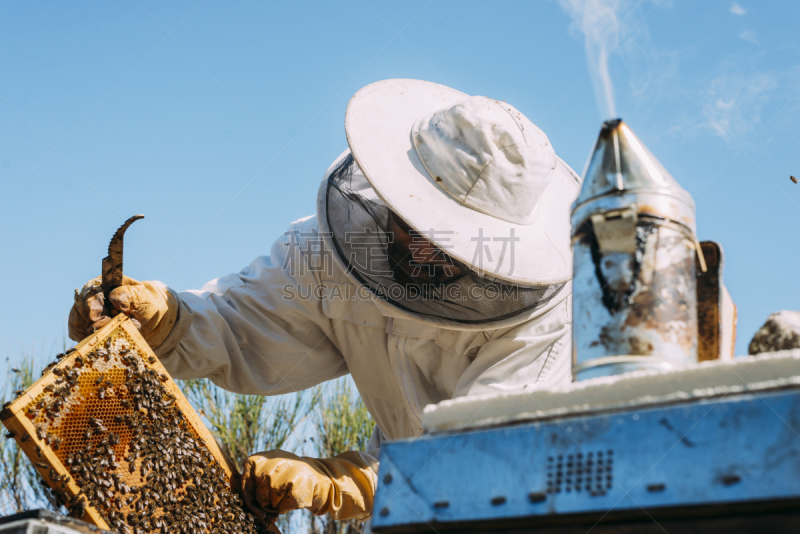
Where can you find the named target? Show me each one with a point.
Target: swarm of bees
(130, 450)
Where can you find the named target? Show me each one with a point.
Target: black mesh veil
(362, 235)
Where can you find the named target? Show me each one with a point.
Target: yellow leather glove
(277, 482)
(150, 303)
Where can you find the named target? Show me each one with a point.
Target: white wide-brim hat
(471, 174)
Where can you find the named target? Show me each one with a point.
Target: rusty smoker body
(634, 246)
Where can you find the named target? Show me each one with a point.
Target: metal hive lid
(620, 163)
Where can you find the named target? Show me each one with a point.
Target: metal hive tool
(116, 440)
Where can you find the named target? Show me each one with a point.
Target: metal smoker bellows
(634, 245)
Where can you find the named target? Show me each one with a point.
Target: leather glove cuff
(278, 481)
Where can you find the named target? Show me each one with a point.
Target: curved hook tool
(112, 264)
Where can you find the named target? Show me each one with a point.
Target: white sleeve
(372, 456)
(260, 331)
(532, 355)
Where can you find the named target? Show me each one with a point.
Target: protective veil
(359, 223)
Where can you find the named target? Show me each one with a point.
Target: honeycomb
(118, 443)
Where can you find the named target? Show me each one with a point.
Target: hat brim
(378, 125)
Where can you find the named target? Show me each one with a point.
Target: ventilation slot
(581, 472)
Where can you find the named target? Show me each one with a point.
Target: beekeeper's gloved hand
(150, 303)
(277, 482)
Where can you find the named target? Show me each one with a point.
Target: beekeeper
(438, 265)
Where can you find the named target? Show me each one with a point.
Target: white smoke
(599, 21)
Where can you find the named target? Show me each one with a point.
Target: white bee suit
(305, 314)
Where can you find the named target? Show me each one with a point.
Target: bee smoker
(634, 246)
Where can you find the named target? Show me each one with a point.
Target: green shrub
(21, 487)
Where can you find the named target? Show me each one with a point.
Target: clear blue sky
(217, 120)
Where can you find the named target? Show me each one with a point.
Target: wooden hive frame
(22, 425)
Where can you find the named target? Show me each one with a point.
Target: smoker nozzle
(622, 172)
(610, 124)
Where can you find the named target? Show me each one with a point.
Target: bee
(7, 404)
(793, 179)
